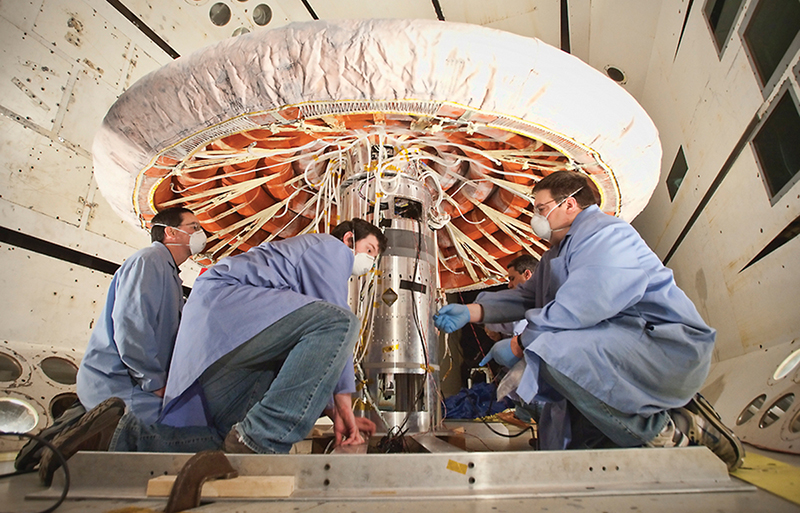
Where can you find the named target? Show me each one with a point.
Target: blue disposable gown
(508, 329)
(130, 347)
(604, 311)
(241, 296)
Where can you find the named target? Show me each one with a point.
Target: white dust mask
(197, 240)
(362, 263)
(539, 223)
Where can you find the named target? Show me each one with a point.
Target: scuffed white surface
(474, 66)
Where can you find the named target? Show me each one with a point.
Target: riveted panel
(80, 32)
(21, 13)
(104, 221)
(32, 76)
(86, 107)
(140, 65)
(41, 174)
(186, 26)
(531, 18)
(49, 301)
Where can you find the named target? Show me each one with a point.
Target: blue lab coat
(130, 347)
(604, 311)
(241, 296)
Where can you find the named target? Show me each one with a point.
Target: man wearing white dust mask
(265, 346)
(129, 350)
(609, 332)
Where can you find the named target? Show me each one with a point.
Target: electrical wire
(61, 459)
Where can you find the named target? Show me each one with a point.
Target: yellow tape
(455, 466)
(389, 349)
(771, 475)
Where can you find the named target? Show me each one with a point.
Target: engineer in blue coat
(520, 270)
(131, 346)
(608, 330)
(265, 346)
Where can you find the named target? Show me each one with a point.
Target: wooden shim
(243, 486)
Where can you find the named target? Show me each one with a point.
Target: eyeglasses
(540, 207)
(194, 226)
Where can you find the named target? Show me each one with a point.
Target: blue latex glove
(451, 318)
(501, 353)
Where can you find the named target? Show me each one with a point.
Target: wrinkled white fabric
(243, 78)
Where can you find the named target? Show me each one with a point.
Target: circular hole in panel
(751, 409)
(788, 365)
(616, 74)
(59, 370)
(17, 416)
(220, 14)
(776, 411)
(62, 403)
(794, 426)
(239, 31)
(10, 369)
(262, 14)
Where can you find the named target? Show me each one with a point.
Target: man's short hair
(563, 183)
(361, 229)
(522, 263)
(169, 217)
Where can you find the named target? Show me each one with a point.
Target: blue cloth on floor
(478, 401)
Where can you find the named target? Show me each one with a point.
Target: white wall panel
(86, 107)
(42, 175)
(531, 18)
(48, 301)
(25, 220)
(32, 77)
(622, 35)
(662, 107)
(80, 32)
(186, 26)
(103, 221)
(21, 13)
(580, 24)
(703, 104)
(408, 9)
(765, 298)
(287, 11)
(697, 272)
(141, 64)
(543, 22)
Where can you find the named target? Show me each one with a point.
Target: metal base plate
(442, 475)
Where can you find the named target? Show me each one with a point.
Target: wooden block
(240, 487)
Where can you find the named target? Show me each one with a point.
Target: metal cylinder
(401, 367)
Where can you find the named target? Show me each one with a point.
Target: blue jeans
(271, 389)
(595, 424)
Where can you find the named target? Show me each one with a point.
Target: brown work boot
(698, 423)
(234, 444)
(92, 432)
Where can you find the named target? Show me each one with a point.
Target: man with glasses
(608, 331)
(131, 345)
